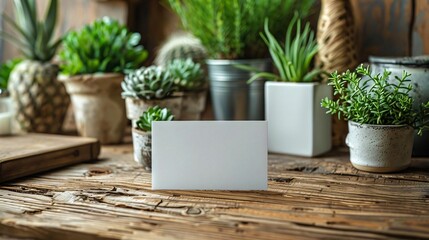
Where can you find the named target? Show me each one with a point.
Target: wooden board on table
(23, 155)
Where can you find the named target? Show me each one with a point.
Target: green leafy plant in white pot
(142, 137)
(229, 30)
(190, 79)
(94, 60)
(296, 123)
(380, 115)
(148, 87)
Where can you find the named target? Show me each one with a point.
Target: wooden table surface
(323, 198)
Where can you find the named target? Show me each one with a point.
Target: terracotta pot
(193, 105)
(142, 145)
(98, 107)
(380, 148)
(136, 106)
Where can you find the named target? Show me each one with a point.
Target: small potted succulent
(190, 79)
(229, 31)
(142, 138)
(40, 101)
(94, 60)
(380, 115)
(296, 123)
(147, 87)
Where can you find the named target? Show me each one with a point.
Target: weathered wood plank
(420, 36)
(383, 27)
(307, 198)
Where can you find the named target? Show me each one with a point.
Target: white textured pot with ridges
(380, 148)
(297, 124)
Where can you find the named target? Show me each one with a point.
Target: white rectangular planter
(297, 124)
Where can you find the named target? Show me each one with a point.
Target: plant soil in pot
(381, 116)
(148, 87)
(142, 138)
(98, 107)
(380, 148)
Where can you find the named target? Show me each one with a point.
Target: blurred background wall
(385, 27)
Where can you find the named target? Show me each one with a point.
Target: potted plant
(148, 87)
(229, 30)
(380, 115)
(190, 79)
(39, 99)
(296, 123)
(94, 60)
(142, 138)
(6, 112)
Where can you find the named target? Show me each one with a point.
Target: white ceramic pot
(142, 145)
(98, 106)
(193, 105)
(297, 124)
(380, 148)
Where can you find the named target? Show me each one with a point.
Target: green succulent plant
(5, 70)
(188, 75)
(153, 114)
(151, 82)
(102, 47)
(293, 61)
(377, 99)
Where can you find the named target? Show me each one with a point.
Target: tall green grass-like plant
(293, 58)
(230, 29)
(368, 98)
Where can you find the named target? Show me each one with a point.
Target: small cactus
(153, 114)
(188, 75)
(180, 46)
(148, 83)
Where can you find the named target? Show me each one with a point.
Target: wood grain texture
(22, 155)
(420, 34)
(308, 198)
(383, 27)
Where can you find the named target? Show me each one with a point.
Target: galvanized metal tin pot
(232, 97)
(418, 67)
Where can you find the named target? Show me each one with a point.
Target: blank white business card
(209, 155)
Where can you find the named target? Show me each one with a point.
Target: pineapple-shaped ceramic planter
(40, 101)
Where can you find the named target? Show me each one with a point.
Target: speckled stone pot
(380, 148)
(135, 106)
(142, 145)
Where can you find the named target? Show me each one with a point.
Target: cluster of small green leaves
(153, 114)
(103, 46)
(188, 75)
(151, 82)
(5, 70)
(375, 99)
(34, 37)
(293, 61)
(229, 29)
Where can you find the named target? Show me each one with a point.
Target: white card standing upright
(209, 155)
